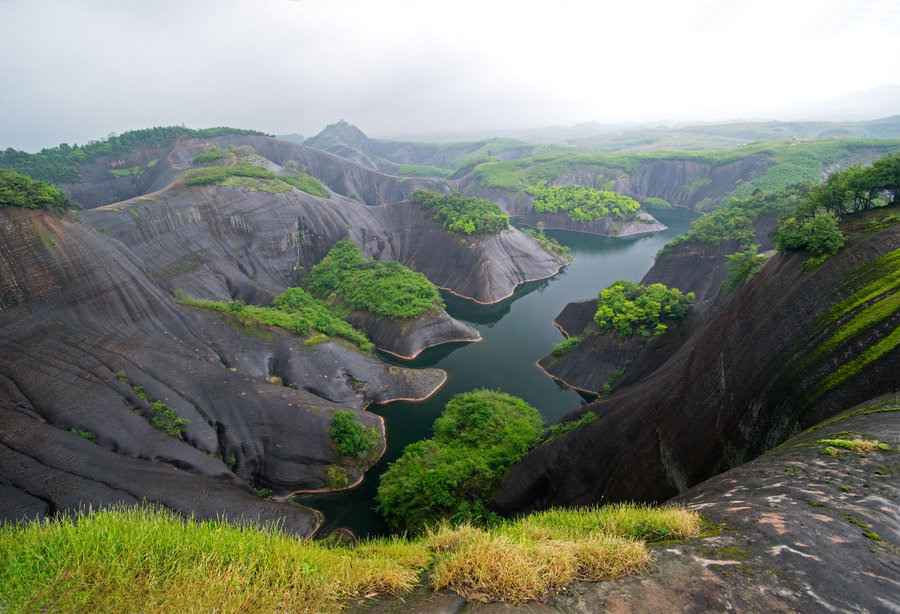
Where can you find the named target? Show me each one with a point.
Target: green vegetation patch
(558, 430)
(743, 266)
(134, 170)
(414, 170)
(346, 277)
(629, 308)
(213, 156)
(868, 356)
(352, 438)
(111, 559)
(458, 213)
(563, 347)
(583, 204)
(246, 175)
(17, 190)
(306, 183)
(562, 252)
(733, 220)
(57, 164)
(294, 310)
(452, 475)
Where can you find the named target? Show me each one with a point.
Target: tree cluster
(583, 204)
(452, 475)
(857, 188)
(814, 225)
(389, 289)
(17, 190)
(458, 213)
(630, 308)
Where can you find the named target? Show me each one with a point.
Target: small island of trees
(458, 213)
(630, 308)
(583, 204)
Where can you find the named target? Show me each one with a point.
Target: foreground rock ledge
(786, 537)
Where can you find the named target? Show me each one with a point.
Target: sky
(76, 70)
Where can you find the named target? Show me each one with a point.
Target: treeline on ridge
(57, 164)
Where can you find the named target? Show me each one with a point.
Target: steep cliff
(788, 349)
(93, 355)
(239, 243)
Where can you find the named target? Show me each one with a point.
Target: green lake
(516, 333)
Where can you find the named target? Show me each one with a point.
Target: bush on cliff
(346, 277)
(351, 437)
(458, 213)
(629, 308)
(17, 190)
(452, 475)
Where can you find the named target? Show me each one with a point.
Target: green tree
(819, 235)
(629, 308)
(452, 475)
(742, 266)
(17, 190)
(351, 437)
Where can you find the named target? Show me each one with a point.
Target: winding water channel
(515, 335)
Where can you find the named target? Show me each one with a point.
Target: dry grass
(528, 559)
(152, 561)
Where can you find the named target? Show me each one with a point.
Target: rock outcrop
(92, 352)
(759, 364)
(792, 531)
(233, 243)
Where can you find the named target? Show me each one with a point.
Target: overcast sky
(75, 70)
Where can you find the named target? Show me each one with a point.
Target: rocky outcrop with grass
(787, 349)
(111, 392)
(809, 527)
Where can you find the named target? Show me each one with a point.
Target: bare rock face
(407, 337)
(232, 243)
(744, 376)
(91, 351)
(607, 227)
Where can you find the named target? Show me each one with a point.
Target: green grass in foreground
(153, 561)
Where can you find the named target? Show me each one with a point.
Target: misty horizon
(78, 71)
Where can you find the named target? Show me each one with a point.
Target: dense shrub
(734, 220)
(629, 308)
(819, 235)
(458, 213)
(452, 475)
(17, 190)
(213, 156)
(583, 204)
(742, 266)
(390, 289)
(351, 437)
